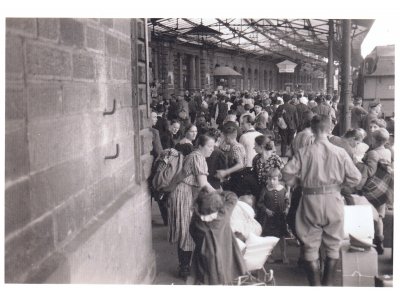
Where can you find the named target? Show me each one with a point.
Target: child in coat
(216, 258)
(273, 207)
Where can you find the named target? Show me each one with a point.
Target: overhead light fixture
(202, 30)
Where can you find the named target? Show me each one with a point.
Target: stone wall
(61, 75)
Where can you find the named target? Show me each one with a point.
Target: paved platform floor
(285, 274)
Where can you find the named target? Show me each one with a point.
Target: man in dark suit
(289, 114)
(301, 108)
(222, 108)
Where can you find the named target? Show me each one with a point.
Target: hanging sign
(286, 66)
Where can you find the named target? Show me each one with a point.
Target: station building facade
(179, 67)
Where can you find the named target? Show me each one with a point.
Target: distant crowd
(276, 156)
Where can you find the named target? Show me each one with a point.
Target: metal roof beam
(274, 40)
(294, 31)
(313, 32)
(284, 36)
(217, 37)
(250, 40)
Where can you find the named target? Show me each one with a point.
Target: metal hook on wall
(112, 111)
(116, 153)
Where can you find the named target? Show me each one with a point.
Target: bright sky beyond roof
(382, 33)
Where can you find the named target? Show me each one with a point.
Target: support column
(198, 73)
(164, 69)
(155, 64)
(192, 84)
(245, 79)
(330, 70)
(250, 79)
(203, 69)
(346, 75)
(180, 73)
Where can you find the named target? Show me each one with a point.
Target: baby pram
(257, 251)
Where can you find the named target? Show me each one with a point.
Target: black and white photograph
(212, 151)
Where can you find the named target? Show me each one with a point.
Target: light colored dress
(181, 201)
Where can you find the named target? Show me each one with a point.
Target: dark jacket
(217, 161)
(156, 142)
(173, 110)
(301, 109)
(216, 257)
(357, 115)
(289, 113)
(162, 125)
(168, 140)
(193, 107)
(222, 112)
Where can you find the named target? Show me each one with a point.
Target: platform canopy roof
(226, 71)
(298, 40)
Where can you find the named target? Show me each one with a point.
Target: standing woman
(181, 199)
(185, 145)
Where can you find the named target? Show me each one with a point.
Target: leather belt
(327, 189)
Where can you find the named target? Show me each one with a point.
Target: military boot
(329, 271)
(313, 272)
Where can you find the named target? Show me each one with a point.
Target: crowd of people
(279, 158)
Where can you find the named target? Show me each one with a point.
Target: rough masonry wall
(61, 75)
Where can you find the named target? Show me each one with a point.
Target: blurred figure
(288, 112)
(357, 113)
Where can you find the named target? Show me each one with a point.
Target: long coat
(216, 258)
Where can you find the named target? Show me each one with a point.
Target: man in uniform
(322, 169)
(357, 113)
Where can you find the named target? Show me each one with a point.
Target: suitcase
(359, 268)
